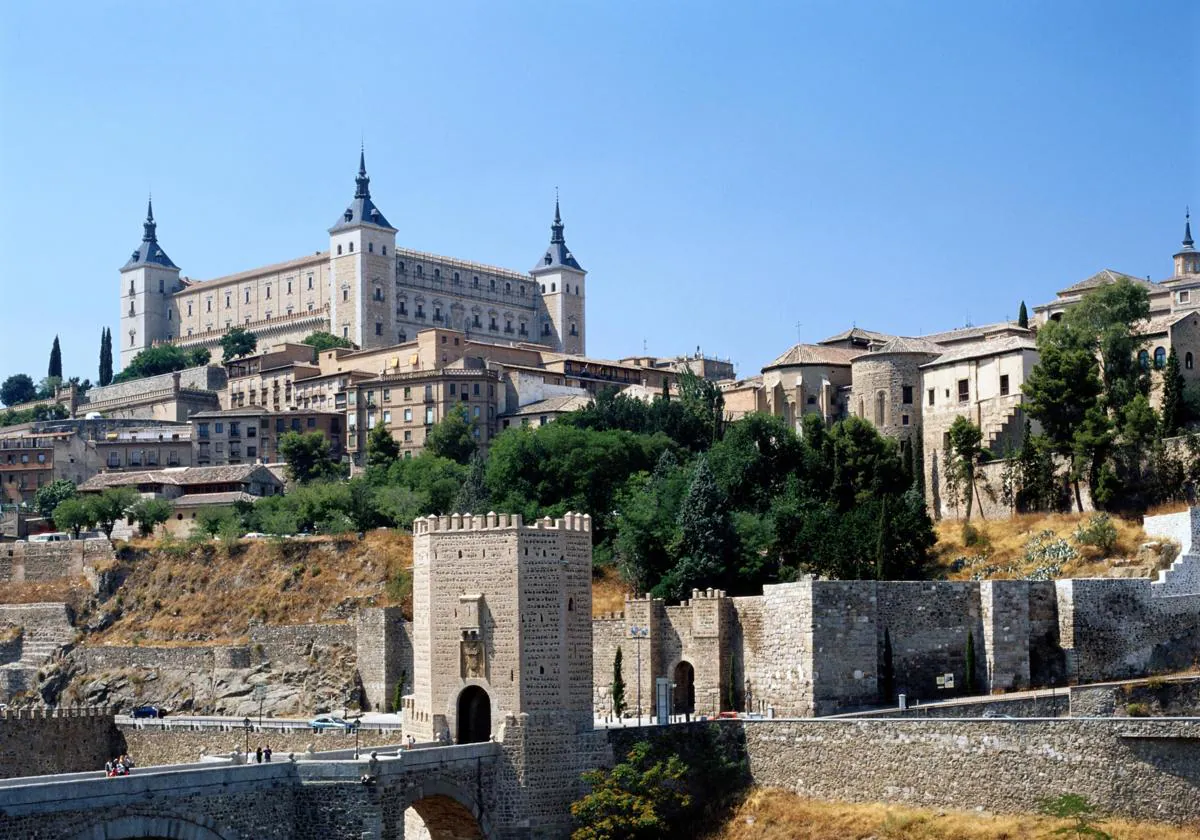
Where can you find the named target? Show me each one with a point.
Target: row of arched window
(1160, 359)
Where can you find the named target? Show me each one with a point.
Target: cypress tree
(887, 673)
(55, 369)
(618, 686)
(1023, 317)
(106, 367)
(1172, 400)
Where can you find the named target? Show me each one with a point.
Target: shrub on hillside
(1098, 532)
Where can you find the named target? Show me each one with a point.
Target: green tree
(1037, 484)
(618, 687)
(153, 361)
(1062, 390)
(149, 513)
(106, 362)
(453, 436)
(308, 457)
(81, 387)
(648, 525)
(17, 389)
(399, 506)
(110, 505)
(199, 357)
(321, 340)
(434, 480)
(640, 798)
(1023, 317)
(473, 495)
(73, 514)
(55, 368)
(1174, 409)
(706, 537)
(210, 520)
(48, 387)
(1082, 813)
(964, 453)
(382, 449)
(49, 496)
(237, 343)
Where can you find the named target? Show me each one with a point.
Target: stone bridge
(455, 793)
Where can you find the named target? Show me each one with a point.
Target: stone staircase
(45, 630)
(1182, 578)
(1006, 427)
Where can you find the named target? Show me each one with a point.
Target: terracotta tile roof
(299, 262)
(974, 333)
(205, 499)
(180, 476)
(983, 349)
(814, 354)
(552, 405)
(1100, 278)
(859, 334)
(904, 344)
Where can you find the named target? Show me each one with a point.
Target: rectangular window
(1183, 296)
(903, 419)
(475, 411)
(931, 396)
(311, 422)
(408, 415)
(407, 435)
(475, 389)
(219, 428)
(428, 393)
(1004, 385)
(964, 390)
(906, 394)
(251, 430)
(251, 451)
(378, 328)
(429, 416)
(408, 393)
(387, 417)
(452, 391)
(387, 394)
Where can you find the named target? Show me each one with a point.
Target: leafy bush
(1137, 710)
(1098, 532)
(1050, 552)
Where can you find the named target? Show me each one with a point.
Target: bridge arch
(150, 827)
(447, 812)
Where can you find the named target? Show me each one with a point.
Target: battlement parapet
(493, 521)
(49, 712)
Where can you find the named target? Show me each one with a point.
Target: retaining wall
(35, 742)
(25, 561)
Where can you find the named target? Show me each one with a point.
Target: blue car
(148, 712)
(321, 722)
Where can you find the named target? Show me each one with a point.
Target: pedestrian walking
(267, 753)
(258, 753)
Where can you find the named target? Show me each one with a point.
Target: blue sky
(727, 170)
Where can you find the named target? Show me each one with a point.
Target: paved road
(368, 721)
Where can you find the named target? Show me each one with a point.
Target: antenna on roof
(798, 326)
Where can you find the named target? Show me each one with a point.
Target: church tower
(147, 282)
(560, 277)
(362, 272)
(1187, 260)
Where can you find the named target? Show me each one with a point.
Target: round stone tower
(886, 389)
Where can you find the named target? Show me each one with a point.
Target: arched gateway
(474, 716)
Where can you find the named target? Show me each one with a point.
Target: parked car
(148, 712)
(321, 722)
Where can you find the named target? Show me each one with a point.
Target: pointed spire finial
(556, 228)
(1187, 227)
(362, 184)
(148, 226)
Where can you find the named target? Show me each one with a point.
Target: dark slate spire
(1187, 230)
(149, 227)
(557, 255)
(362, 184)
(361, 210)
(149, 252)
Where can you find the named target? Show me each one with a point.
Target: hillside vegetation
(1043, 546)
(768, 814)
(211, 591)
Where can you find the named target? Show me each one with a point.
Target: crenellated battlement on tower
(493, 521)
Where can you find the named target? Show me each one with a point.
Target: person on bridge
(258, 754)
(267, 753)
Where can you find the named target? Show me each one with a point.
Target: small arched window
(567, 288)
(1144, 359)
(339, 250)
(570, 605)
(1160, 358)
(880, 404)
(370, 247)
(492, 283)
(437, 274)
(130, 307)
(383, 249)
(1187, 361)
(508, 288)
(400, 265)
(552, 287)
(420, 271)
(351, 247)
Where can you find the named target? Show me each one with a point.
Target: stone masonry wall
(153, 745)
(24, 561)
(293, 644)
(385, 658)
(1136, 768)
(35, 742)
(207, 378)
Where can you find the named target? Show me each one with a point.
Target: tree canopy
(453, 436)
(237, 343)
(308, 456)
(321, 340)
(165, 358)
(17, 389)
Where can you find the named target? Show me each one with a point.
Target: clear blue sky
(727, 169)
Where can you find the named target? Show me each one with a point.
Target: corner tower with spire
(148, 280)
(362, 252)
(1187, 259)
(561, 281)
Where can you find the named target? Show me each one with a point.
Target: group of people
(262, 754)
(119, 766)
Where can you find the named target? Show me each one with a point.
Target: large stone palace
(363, 288)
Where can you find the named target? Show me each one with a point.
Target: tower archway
(685, 689)
(474, 720)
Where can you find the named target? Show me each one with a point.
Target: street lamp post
(639, 633)
(247, 725)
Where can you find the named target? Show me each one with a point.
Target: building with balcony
(251, 435)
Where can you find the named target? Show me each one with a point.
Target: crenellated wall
(24, 561)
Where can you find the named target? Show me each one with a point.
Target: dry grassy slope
(781, 815)
(201, 593)
(1003, 546)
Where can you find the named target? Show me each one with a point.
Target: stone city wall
(106, 658)
(36, 742)
(1135, 768)
(154, 745)
(295, 644)
(206, 378)
(25, 561)
(385, 656)
(1052, 704)
(1173, 697)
